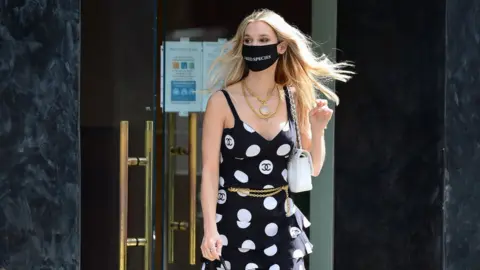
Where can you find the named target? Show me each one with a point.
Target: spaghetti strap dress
(265, 230)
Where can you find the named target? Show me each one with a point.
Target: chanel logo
(229, 142)
(222, 196)
(266, 167)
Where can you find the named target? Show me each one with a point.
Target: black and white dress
(258, 233)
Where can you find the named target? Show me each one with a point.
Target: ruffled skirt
(261, 233)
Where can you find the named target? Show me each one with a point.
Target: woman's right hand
(211, 246)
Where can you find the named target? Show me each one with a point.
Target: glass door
(118, 85)
(193, 34)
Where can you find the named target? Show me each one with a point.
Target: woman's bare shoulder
(216, 101)
(234, 91)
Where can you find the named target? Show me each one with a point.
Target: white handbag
(300, 166)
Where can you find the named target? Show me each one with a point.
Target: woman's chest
(244, 142)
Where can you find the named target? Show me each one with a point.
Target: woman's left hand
(320, 116)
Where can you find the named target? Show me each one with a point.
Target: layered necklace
(263, 111)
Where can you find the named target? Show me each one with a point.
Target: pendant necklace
(263, 112)
(263, 109)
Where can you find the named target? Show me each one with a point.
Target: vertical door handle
(192, 174)
(125, 162)
(171, 170)
(123, 194)
(148, 218)
(174, 225)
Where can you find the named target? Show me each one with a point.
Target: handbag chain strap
(293, 109)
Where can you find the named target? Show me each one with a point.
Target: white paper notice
(211, 50)
(183, 76)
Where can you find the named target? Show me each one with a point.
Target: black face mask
(259, 58)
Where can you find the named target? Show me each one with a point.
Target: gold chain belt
(263, 193)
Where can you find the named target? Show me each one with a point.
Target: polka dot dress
(258, 233)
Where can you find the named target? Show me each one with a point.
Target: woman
(248, 134)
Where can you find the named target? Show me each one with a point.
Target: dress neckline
(238, 120)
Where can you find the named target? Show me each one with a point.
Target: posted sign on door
(185, 74)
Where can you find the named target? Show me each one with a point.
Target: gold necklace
(259, 113)
(263, 109)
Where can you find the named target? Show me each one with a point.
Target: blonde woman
(249, 220)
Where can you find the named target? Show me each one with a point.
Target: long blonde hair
(298, 67)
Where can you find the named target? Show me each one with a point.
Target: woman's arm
(313, 136)
(213, 123)
(314, 142)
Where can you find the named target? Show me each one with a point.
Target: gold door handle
(171, 169)
(192, 174)
(125, 162)
(174, 225)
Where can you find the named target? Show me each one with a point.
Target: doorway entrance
(118, 133)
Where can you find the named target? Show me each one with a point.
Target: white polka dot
(248, 128)
(243, 250)
(270, 203)
(283, 150)
(289, 205)
(253, 150)
(243, 225)
(270, 251)
(222, 196)
(306, 222)
(241, 176)
(271, 229)
(218, 217)
(221, 158)
(244, 215)
(248, 244)
(203, 266)
(224, 240)
(274, 267)
(251, 266)
(229, 142)
(294, 232)
(227, 264)
(286, 127)
(298, 254)
(221, 181)
(266, 167)
(285, 174)
(268, 187)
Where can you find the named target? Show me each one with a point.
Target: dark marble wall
(39, 138)
(462, 126)
(389, 136)
(408, 136)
